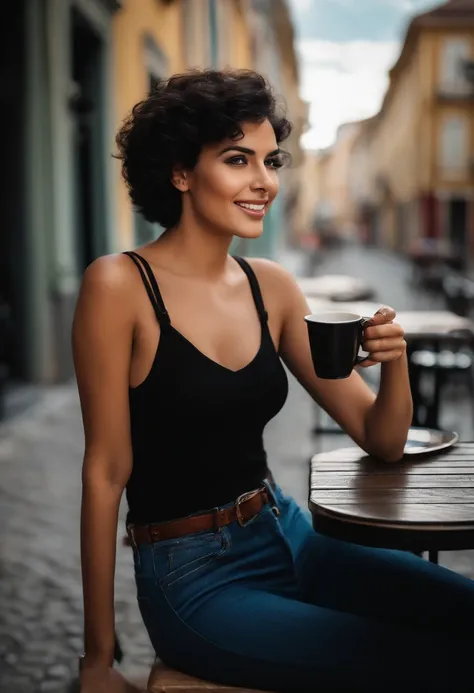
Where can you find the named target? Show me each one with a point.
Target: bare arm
(378, 424)
(102, 342)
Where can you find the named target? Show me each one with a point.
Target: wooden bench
(165, 680)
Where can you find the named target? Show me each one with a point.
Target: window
(455, 52)
(213, 35)
(226, 30)
(153, 82)
(196, 32)
(188, 32)
(454, 147)
(156, 65)
(156, 61)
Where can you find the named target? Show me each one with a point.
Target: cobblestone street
(40, 467)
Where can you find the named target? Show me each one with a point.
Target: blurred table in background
(417, 324)
(318, 304)
(336, 287)
(430, 258)
(440, 345)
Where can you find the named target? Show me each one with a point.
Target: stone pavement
(40, 468)
(40, 589)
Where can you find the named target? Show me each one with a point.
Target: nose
(262, 180)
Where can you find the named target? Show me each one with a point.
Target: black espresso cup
(335, 339)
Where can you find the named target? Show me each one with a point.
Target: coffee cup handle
(361, 359)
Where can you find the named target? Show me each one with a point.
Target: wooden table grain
(422, 503)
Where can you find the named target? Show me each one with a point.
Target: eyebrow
(245, 150)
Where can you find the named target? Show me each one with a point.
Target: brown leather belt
(244, 509)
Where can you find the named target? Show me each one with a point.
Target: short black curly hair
(179, 117)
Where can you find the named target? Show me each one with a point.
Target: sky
(346, 48)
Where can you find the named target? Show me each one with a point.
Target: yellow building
(154, 39)
(325, 204)
(273, 54)
(335, 204)
(84, 64)
(419, 150)
(310, 185)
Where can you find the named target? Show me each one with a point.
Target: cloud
(301, 4)
(343, 82)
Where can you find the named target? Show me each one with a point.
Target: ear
(179, 179)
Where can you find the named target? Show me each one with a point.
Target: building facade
(72, 71)
(273, 55)
(419, 150)
(155, 39)
(335, 207)
(58, 190)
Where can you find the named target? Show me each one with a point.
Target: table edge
(337, 517)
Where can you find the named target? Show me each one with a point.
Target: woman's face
(234, 182)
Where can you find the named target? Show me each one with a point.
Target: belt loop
(218, 514)
(272, 498)
(131, 536)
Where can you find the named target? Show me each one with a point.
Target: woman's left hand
(383, 339)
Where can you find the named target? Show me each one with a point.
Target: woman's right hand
(105, 680)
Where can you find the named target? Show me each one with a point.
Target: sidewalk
(40, 470)
(40, 587)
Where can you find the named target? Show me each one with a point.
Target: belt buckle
(242, 498)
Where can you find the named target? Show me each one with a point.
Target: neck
(194, 250)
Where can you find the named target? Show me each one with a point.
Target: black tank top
(197, 426)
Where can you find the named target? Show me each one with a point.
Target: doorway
(87, 109)
(457, 216)
(13, 247)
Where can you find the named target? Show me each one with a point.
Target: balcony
(112, 5)
(456, 174)
(458, 86)
(456, 90)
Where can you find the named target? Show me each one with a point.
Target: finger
(386, 312)
(367, 363)
(389, 330)
(384, 356)
(387, 344)
(383, 315)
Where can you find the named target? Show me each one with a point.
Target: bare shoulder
(111, 273)
(273, 277)
(111, 280)
(108, 292)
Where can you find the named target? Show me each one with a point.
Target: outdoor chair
(458, 294)
(165, 680)
(455, 357)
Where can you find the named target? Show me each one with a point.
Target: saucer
(421, 441)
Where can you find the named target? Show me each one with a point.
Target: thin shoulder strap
(255, 287)
(151, 286)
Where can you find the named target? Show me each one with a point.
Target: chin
(254, 232)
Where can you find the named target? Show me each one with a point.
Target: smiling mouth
(253, 209)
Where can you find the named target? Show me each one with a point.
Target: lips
(253, 206)
(254, 209)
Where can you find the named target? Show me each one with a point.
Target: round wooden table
(422, 503)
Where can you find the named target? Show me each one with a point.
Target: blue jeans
(275, 606)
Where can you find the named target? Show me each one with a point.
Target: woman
(177, 351)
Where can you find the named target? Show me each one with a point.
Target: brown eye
(274, 163)
(236, 160)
